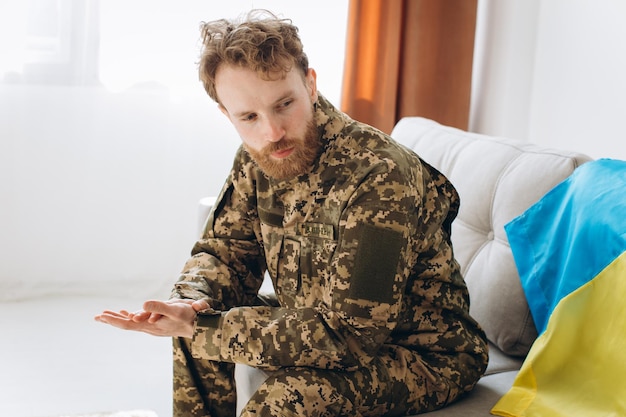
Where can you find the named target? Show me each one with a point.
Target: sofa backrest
(497, 180)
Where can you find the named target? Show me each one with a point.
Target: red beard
(305, 151)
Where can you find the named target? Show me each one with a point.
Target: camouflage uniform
(372, 315)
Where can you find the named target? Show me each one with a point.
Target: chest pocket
(299, 263)
(315, 259)
(304, 270)
(288, 279)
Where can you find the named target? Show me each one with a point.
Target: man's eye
(286, 104)
(249, 117)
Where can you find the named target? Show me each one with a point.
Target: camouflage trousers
(398, 382)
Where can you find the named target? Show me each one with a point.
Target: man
(372, 312)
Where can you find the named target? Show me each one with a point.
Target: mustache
(279, 146)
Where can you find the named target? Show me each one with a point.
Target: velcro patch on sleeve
(376, 264)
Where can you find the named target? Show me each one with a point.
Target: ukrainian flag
(570, 250)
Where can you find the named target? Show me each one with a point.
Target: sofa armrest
(205, 205)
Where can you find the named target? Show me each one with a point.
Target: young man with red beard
(371, 315)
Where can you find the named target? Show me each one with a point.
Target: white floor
(56, 360)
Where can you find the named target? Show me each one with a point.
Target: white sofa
(497, 179)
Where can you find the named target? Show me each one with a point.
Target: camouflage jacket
(358, 250)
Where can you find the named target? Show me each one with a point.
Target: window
(49, 42)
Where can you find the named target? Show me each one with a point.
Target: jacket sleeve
(357, 306)
(226, 267)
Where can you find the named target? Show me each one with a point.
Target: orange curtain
(409, 58)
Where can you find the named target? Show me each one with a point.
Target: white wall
(552, 72)
(503, 67)
(100, 185)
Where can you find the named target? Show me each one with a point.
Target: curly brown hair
(260, 41)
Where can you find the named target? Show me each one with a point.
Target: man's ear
(311, 84)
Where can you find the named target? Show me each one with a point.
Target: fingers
(132, 321)
(120, 314)
(158, 307)
(173, 307)
(200, 305)
(141, 316)
(117, 320)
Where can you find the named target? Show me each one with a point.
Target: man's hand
(172, 318)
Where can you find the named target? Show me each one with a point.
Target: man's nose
(273, 130)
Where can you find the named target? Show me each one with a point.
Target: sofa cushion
(497, 179)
